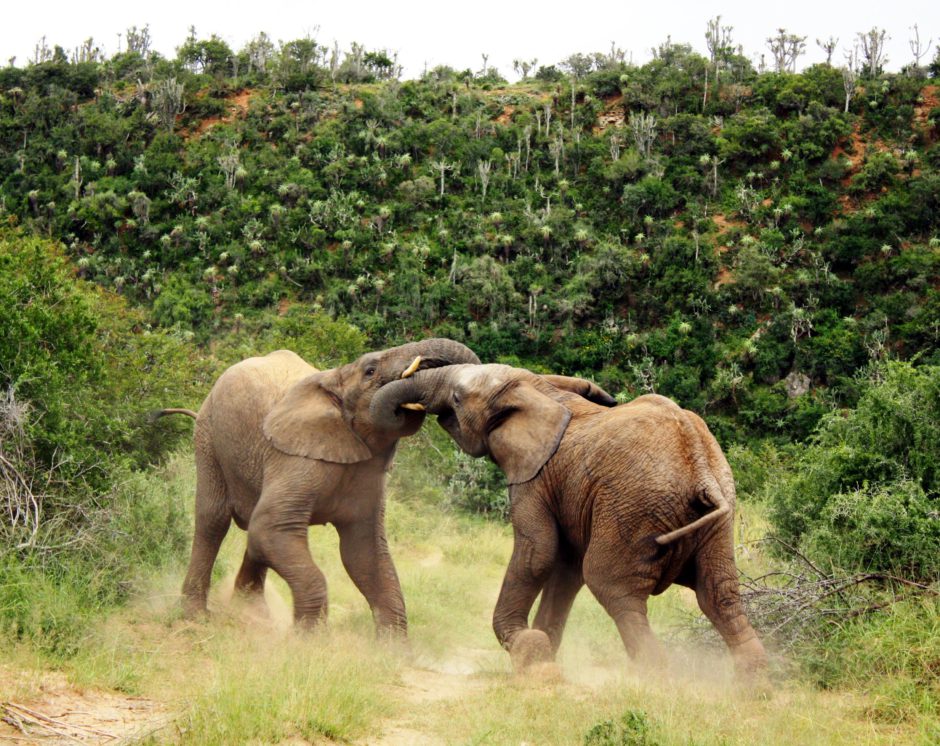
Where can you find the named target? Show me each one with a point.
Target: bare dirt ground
(237, 105)
(611, 116)
(419, 686)
(56, 712)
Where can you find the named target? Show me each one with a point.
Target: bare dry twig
(801, 602)
(21, 716)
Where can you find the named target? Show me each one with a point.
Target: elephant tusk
(412, 368)
(414, 407)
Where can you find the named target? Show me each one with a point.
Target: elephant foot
(252, 606)
(529, 648)
(194, 609)
(750, 665)
(393, 635)
(310, 622)
(544, 673)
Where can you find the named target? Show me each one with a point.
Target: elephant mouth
(447, 419)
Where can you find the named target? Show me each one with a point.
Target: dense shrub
(864, 494)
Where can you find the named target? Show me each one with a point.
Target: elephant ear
(309, 422)
(583, 388)
(525, 431)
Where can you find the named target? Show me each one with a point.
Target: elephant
(627, 500)
(281, 446)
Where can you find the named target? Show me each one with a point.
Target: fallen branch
(800, 602)
(26, 716)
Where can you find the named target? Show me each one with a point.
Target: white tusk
(412, 368)
(414, 407)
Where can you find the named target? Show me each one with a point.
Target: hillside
(601, 222)
(763, 247)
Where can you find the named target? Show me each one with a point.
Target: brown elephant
(281, 446)
(626, 500)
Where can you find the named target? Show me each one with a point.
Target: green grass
(241, 678)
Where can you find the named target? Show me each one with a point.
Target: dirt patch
(724, 223)
(506, 116)
(725, 277)
(931, 100)
(59, 713)
(612, 115)
(236, 106)
(452, 679)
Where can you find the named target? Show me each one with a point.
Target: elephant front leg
(533, 557)
(364, 551)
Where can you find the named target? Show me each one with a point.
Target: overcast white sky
(456, 34)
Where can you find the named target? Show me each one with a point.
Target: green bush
(78, 373)
(864, 494)
(478, 486)
(633, 729)
(50, 597)
(892, 657)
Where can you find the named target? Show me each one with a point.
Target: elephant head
(514, 416)
(326, 415)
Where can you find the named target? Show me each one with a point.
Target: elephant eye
(370, 371)
(456, 398)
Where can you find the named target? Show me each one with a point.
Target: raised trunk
(429, 388)
(437, 352)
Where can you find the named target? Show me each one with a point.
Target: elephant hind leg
(282, 545)
(623, 595)
(250, 579)
(719, 598)
(556, 601)
(212, 523)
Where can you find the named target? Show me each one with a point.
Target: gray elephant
(626, 500)
(281, 446)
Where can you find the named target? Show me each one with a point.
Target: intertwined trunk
(430, 388)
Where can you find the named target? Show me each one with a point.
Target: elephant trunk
(437, 352)
(428, 388)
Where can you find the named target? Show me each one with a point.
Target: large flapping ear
(309, 422)
(528, 428)
(584, 388)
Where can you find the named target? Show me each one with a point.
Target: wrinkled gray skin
(281, 446)
(626, 500)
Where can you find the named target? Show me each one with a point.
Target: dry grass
(241, 677)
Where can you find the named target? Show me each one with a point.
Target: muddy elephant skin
(626, 500)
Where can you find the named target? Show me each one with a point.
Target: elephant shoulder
(259, 382)
(655, 401)
(284, 357)
(282, 365)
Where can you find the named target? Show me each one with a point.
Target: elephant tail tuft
(722, 507)
(158, 413)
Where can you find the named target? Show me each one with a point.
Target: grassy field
(245, 676)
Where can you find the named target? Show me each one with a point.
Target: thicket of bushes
(864, 494)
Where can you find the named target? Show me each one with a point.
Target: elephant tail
(713, 495)
(158, 413)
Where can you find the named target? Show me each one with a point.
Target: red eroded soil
(931, 96)
(237, 104)
(611, 116)
(506, 116)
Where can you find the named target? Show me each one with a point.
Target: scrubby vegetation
(763, 247)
